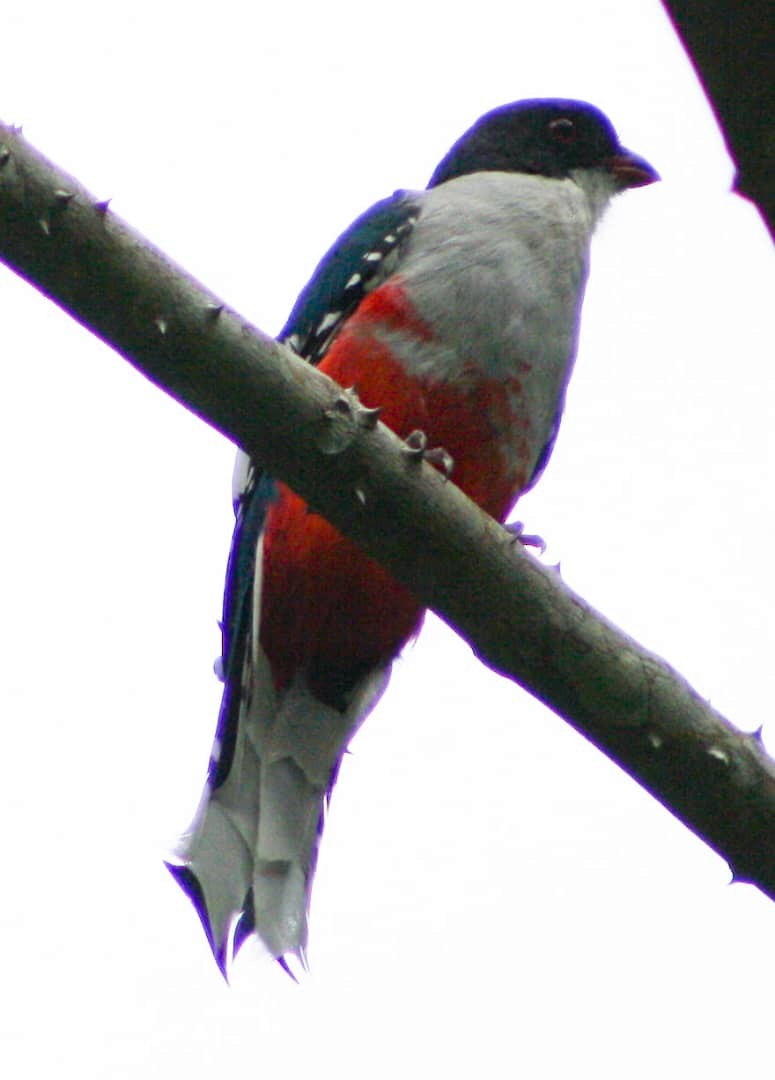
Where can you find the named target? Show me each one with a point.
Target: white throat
(599, 185)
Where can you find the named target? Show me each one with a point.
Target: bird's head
(545, 137)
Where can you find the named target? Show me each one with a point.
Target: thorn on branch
(718, 754)
(368, 418)
(62, 198)
(213, 312)
(343, 420)
(739, 877)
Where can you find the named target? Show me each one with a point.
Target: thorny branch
(518, 615)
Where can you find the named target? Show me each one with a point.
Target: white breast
(496, 266)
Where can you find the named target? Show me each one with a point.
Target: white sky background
(493, 897)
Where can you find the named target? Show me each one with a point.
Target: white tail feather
(252, 846)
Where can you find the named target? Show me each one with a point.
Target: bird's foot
(416, 449)
(517, 530)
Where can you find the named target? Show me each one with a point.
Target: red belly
(328, 609)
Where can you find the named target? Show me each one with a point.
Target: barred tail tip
(226, 945)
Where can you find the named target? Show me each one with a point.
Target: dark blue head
(546, 137)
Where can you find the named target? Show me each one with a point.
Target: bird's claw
(416, 448)
(517, 530)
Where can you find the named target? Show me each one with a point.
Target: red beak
(631, 170)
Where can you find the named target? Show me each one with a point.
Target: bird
(455, 311)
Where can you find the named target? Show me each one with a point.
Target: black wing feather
(359, 260)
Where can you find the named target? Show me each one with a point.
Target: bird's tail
(248, 860)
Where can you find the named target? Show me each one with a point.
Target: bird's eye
(562, 130)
